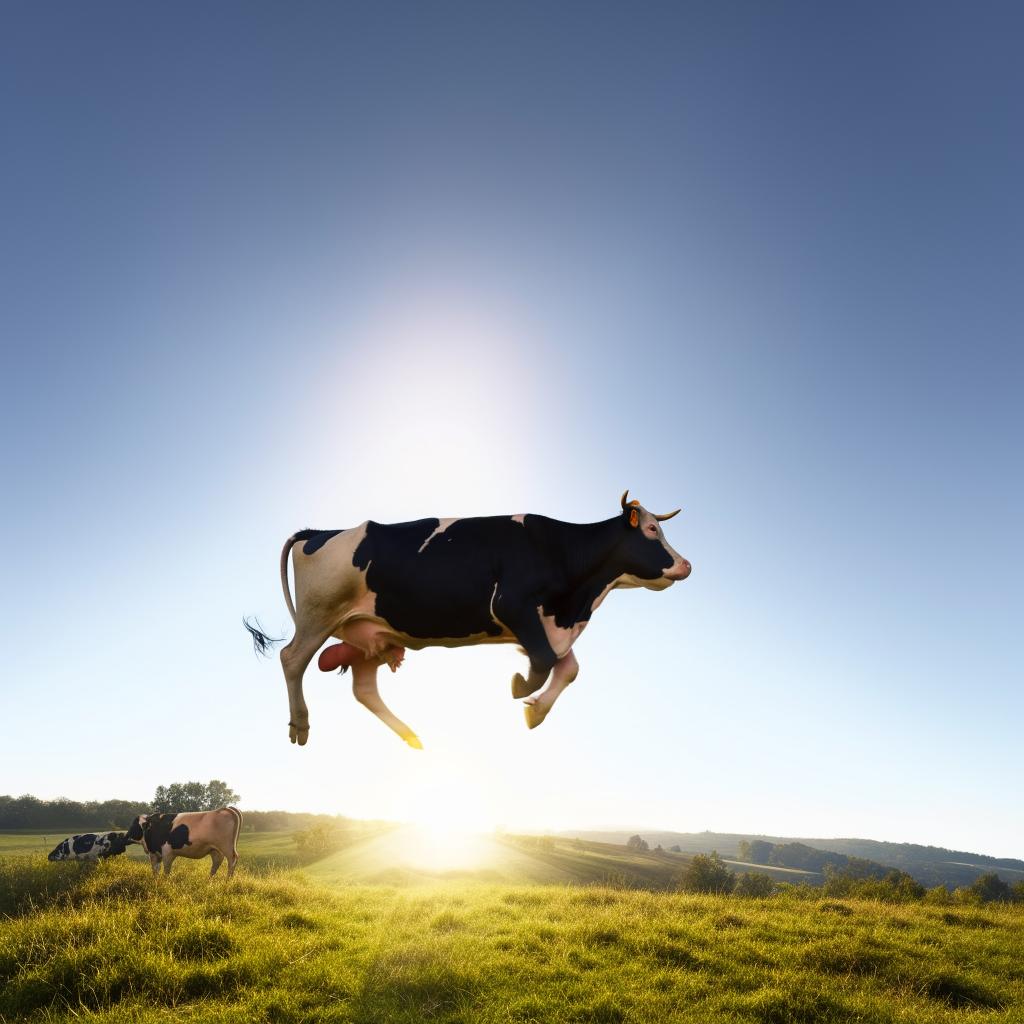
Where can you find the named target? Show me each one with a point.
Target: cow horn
(625, 495)
(662, 519)
(626, 506)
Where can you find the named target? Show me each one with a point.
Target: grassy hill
(111, 945)
(930, 865)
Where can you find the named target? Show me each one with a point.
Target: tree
(754, 883)
(193, 796)
(757, 851)
(989, 887)
(636, 843)
(675, 849)
(707, 873)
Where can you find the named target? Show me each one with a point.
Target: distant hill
(411, 854)
(930, 865)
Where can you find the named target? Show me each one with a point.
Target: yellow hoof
(414, 741)
(535, 714)
(521, 688)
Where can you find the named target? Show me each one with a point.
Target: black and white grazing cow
(92, 846)
(522, 579)
(191, 834)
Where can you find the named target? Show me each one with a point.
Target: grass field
(110, 944)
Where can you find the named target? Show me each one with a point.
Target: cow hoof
(297, 734)
(414, 741)
(535, 714)
(521, 688)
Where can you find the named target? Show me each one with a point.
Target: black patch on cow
(449, 588)
(445, 590)
(178, 837)
(117, 842)
(134, 833)
(160, 829)
(315, 539)
(83, 843)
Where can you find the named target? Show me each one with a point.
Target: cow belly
(193, 851)
(374, 636)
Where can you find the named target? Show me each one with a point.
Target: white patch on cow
(442, 525)
(561, 640)
(519, 518)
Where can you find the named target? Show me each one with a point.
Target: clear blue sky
(268, 266)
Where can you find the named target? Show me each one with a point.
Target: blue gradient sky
(271, 266)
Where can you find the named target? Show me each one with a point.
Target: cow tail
(238, 827)
(285, 552)
(261, 642)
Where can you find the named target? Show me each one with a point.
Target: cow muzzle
(679, 571)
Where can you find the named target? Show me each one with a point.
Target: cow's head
(648, 559)
(62, 851)
(136, 829)
(117, 842)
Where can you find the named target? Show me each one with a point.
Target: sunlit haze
(269, 267)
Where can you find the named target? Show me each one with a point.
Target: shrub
(316, 842)
(990, 887)
(707, 873)
(754, 883)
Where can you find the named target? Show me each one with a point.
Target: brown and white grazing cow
(191, 834)
(522, 579)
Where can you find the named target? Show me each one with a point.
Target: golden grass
(110, 944)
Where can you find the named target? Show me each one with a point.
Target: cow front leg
(154, 863)
(169, 856)
(565, 671)
(529, 631)
(364, 688)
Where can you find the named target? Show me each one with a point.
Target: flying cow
(523, 579)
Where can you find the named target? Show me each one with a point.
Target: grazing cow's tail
(238, 826)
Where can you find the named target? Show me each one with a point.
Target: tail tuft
(261, 643)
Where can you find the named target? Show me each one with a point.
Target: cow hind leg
(565, 671)
(217, 859)
(364, 688)
(295, 658)
(168, 861)
(232, 861)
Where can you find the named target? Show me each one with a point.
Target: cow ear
(634, 518)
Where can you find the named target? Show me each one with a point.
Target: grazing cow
(192, 834)
(91, 846)
(522, 579)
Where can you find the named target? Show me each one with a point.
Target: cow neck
(586, 550)
(586, 557)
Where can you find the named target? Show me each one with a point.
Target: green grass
(110, 944)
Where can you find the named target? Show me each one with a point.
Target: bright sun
(450, 819)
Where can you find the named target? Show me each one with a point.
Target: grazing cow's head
(135, 829)
(648, 559)
(62, 851)
(117, 842)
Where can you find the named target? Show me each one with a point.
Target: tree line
(29, 813)
(858, 878)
